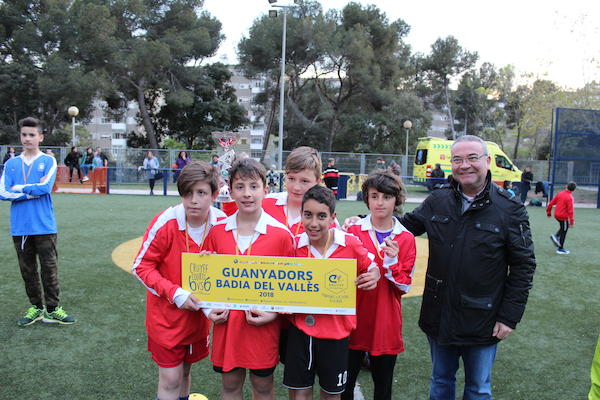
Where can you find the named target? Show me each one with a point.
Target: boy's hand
(350, 221)
(219, 315)
(191, 303)
(368, 280)
(206, 253)
(258, 318)
(390, 247)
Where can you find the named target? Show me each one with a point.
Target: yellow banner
(280, 284)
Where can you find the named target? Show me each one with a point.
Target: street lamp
(407, 127)
(284, 8)
(73, 112)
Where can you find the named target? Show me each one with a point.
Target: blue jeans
(478, 362)
(86, 168)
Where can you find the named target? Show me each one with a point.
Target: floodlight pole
(281, 85)
(407, 126)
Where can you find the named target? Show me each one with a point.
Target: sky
(551, 39)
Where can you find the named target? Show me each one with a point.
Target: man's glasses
(470, 159)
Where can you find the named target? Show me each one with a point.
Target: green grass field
(103, 356)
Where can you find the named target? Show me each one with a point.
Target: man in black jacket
(479, 274)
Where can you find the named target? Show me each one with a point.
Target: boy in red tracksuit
(379, 312)
(177, 331)
(564, 214)
(318, 344)
(302, 171)
(247, 339)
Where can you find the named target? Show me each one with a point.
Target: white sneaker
(85, 179)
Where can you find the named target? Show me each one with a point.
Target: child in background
(318, 344)
(379, 312)
(302, 171)
(247, 339)
(177, 332)
(27, 182)
(564, 214)
(507, 185)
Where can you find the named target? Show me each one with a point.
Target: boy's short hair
(322, 195)
(248, 168)
(571, 186)
(385, 182)
(302, 158)
(31, 122)
(194, 172)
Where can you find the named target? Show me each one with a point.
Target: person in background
(331, 176)
(72, 161)
(182, 160)
(437, 177)
(507, 185)
(27, 183)
(11, 153)
(595, 375)
(564, 214)
(526, 180)
(380, 163)
(395, 168)
(151, 166)
(272, 179)
(87, 162)
(102, 156)
(214, 161)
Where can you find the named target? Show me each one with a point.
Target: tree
(41, 72)
(342, 68)
(260, 55)
(152, 43)
(206, 103)
(446, 61)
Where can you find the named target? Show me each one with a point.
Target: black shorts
(261, 373)
(307, 356)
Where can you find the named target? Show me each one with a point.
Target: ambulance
(432, 150)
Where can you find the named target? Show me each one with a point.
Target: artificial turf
(103, 356)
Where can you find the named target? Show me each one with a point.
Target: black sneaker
(58, 316)
(31, 315)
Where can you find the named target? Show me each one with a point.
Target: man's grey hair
(472, 138)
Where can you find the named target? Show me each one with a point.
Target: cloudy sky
(558, 40)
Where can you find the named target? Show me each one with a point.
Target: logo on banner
(336, 281)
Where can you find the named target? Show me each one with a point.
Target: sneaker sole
(32, 321)
(56, 321)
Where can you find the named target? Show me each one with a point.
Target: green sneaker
(58, 316)
(31, 315)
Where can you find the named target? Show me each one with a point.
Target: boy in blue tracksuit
(27, 182)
